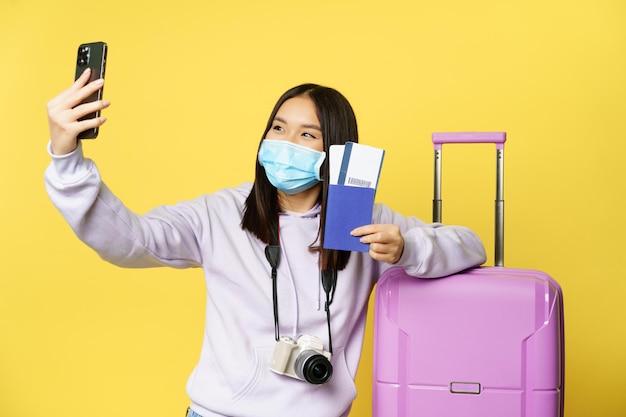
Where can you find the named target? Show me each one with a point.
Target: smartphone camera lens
(83, 56)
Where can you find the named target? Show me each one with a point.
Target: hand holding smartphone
(91, 55)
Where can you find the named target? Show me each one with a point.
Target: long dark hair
(339, 126)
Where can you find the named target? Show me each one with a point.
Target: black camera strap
(328, 278)
(272, 253)
(329, 282)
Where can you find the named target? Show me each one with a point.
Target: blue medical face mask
(289, 167)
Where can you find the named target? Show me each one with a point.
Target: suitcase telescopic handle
(497, 138)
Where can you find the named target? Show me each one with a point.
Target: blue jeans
(191, 413)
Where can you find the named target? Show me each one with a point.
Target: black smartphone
(91, 55)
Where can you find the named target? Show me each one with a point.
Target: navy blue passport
(348, 208)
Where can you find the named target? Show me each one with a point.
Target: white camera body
(304, 359)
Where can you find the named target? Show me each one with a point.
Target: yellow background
(192, 83)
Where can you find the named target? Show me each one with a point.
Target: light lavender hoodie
(232, 377)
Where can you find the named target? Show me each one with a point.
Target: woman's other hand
(385, 240)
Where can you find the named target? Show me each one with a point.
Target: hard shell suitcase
(487, 342)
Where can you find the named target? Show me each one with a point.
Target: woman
(230, 234)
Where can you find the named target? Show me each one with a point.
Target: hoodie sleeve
(432, 250)
(117, 234)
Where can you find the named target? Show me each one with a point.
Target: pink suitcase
(487, 342)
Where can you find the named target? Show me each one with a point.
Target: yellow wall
(192, 83)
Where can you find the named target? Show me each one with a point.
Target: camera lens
(83, 55)
(313, 367)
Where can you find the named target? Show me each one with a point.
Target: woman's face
(296, 121)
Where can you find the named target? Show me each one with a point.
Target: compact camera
(304, 359)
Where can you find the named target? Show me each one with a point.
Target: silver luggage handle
(498, 138)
